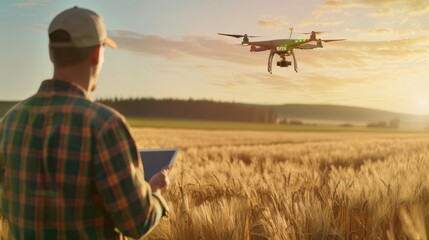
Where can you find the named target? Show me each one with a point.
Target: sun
(421, 104)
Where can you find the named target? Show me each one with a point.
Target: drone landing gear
(295, 65)
(270, 61)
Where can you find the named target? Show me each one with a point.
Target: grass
(294, 185)
(256, 185)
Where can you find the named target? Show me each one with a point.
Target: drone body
(282, 47)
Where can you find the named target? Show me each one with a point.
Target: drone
(282, 47)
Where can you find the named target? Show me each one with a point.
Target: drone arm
(333, 40)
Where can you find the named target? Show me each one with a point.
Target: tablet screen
(154, 160)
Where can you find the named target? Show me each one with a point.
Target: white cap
(85, 27)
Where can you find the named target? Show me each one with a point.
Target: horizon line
(260, 104)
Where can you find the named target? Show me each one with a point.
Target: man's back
(67, 160)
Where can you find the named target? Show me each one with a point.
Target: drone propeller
(333, 40)
(313, 32)
(237, 35)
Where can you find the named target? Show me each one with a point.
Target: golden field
(293, 185)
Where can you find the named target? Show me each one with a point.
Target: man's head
(76, 38)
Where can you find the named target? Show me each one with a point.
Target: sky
(170, 49)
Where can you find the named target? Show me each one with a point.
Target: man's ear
(51, 54)
(95, 55)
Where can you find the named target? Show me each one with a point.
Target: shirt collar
(60, 86)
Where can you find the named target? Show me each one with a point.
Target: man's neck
(74, 75)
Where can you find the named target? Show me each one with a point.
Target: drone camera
(284, 63)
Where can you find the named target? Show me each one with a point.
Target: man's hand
(160, 181)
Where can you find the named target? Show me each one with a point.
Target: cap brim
(109, 42)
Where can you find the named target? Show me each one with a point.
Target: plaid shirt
(71, 170)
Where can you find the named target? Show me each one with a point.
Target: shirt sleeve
(128, 198)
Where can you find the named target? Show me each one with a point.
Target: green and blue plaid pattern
(71, 169)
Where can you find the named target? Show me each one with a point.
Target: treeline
(394, 123)
(190, 109)
(5, 106)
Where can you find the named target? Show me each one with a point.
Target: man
(70, 167)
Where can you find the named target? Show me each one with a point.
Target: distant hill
(191, 109)
(313, 112)
(342, 113)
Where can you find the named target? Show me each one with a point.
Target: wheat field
(283, 185)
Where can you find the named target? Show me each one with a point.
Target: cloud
(236, 81)
(24, 4)
(391, 31)
(40, 29)
(338, 56)
(371, 53)
(371, 3)
(303, 83)
(203, 67)
(401, 48)
(415, 7)
(30, 3)
(326, 17)
(317, 82)
(385, 11)
(275, 81)
(321, 23)
(413, 10)
(364, 56)
(189, 46)
(270, 22)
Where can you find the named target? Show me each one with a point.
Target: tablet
(154, 160)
